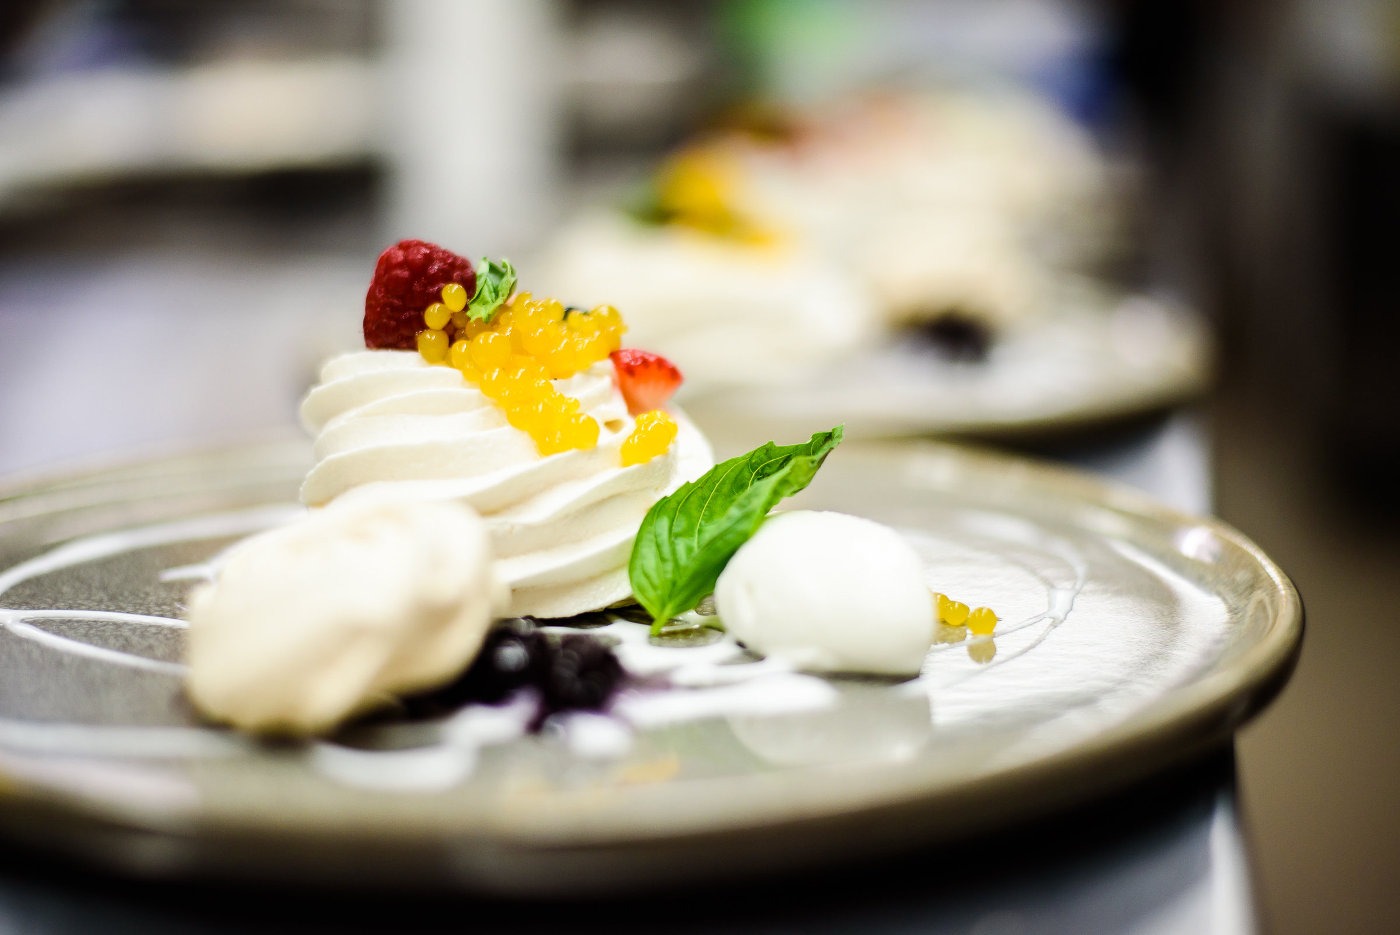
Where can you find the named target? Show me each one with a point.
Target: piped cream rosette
(388, 423)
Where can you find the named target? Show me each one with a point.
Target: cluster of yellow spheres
(513, 358)
(652, 436)
(981, 621)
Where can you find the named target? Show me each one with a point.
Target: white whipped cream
(829, 592)
(311, 622)
(727, 313)
(561, 526)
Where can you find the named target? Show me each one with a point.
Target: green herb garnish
(495, 280)
(687, 538)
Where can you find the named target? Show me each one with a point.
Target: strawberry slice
(647, 380)
(407, 279)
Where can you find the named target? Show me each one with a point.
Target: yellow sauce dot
(454, 296)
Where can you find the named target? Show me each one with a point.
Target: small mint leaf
(495, 281)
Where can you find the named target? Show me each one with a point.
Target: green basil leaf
(687, 538)
(495, 281)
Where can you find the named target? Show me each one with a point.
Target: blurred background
(192, 196)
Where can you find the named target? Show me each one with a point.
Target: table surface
(1166, 856)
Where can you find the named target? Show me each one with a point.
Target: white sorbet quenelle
(828, 592)
(310, 623)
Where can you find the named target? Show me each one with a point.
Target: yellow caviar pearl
(432, 344)
(454, 296)
(532, 389)
(528, 367)
(953, 613)
(490, 350)
(532, 339)
(534, 414)
(469, 327)
(436, 316)
(560, 365)
(551, 442)
(657, 420)
(581, 431)
(459, 355)
(632, 452)
(542, 340)
(521, 315)
(982, 621)
(495, 382)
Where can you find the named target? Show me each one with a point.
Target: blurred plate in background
(1074, 367)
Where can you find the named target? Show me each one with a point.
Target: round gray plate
(1093, 359)
(1132, 637)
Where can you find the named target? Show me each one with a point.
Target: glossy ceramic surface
(1131, 637)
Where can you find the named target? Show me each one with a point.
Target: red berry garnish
(407, 279)
(647, 380)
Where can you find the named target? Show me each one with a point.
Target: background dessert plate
(1132, 636)
(1091, 359)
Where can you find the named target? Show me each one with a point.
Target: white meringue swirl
(387, 423)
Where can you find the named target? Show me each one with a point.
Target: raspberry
(407, 279)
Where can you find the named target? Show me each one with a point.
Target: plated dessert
(493, 456)
(1130, 636)
(957, 205)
